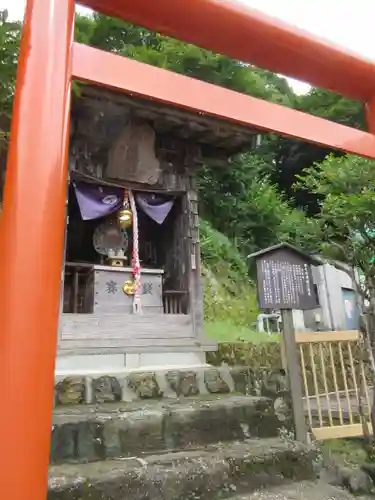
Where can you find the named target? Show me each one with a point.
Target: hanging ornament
(136, 266)
(128, 287)
(134, 287)
(125, 216)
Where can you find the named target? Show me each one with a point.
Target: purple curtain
(97, 201)
(156, 206)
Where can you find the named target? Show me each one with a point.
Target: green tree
(241, 202)
(123, 38)
(292, 156)
(345, 187)
(111, 34)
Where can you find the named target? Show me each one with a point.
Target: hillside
(230, 303)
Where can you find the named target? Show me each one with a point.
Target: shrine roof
(101, 108)
(287, 246)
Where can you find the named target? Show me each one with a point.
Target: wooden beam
(311, 337)
(339, 431)
(248, 35)
(135, 78)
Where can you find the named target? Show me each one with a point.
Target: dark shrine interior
(156, 249)
(153, 237)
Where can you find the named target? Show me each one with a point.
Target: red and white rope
(136, 266)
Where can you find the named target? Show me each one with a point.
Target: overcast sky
(348, 23)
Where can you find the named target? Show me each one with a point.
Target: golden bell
(125, 218)
(129, 287)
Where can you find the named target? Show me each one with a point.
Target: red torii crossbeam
(33, 217)
(174, 89)
(245, 34)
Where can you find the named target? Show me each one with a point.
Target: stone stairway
(208, 444)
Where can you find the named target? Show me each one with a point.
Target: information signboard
(284, 279)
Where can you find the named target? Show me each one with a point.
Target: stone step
(298, 491)
(113, 430)
(217, 471)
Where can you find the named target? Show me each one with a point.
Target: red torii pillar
(32, 230)
(33, 219)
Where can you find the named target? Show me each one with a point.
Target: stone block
(274, 383)
(214, 382)
(261, 419)
(206, 424)
(133, 433)
(89, 441)
(106, 389)
(241, 379)
(141, 431)
(145, 385)
(111, 437)
(184, 383)
(70, 390)
(63, 443)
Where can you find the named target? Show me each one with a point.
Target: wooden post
(294, 374)
(31, 247)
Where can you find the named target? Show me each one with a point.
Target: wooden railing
(76, 283)
(336, 383)
(175, 302)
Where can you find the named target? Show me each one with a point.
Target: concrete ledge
(206, 474)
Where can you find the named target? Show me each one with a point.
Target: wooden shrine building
(133, 287)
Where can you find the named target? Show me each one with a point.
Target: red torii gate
(33, 217)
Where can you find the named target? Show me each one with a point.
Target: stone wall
(96, 417)
(119, 416)
(266, 358)
(76, 390)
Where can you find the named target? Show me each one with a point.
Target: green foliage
(10, 34)
(333, 107)
(345, 452)
(138, 43)
(226, 331)
(263, 355)
(292, 156)
(225, 313)
(241, 202)
(222, 257)
(213, 68)
(112, 34)
(229, 295)
(345, 224)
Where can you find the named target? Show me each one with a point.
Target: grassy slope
(230, 302)
(226, 331)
